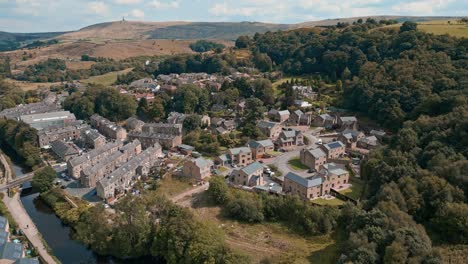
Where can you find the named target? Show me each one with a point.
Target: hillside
(11, 41)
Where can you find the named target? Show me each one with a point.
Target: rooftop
(333, 145)
(236, 151)
(303, 181)
(260, 143)
(252, 168)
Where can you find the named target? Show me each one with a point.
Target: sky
(65, 15)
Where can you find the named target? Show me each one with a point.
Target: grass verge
(295, 164)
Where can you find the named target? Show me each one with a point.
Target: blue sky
(62, 15)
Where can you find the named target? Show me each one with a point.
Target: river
(58, 235)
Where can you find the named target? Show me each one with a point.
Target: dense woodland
(416, 85)
(205, 45)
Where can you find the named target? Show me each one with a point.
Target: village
(311, 153)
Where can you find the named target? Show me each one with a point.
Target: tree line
(55, 70)
(145, 226)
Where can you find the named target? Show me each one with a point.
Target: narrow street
(27, 225)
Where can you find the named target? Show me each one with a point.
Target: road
(20, 215)
(282, 161)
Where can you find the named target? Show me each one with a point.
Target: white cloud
(420, 7)
(98, 8)
(137, 13)
(127, 2)
(165, 4)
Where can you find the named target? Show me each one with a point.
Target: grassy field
(356, 190)
(440, 27)
(443, 27)
(105, 79)
(295, 164)
(269, 242)
(332, 202)
(27, 86)
(171, 186)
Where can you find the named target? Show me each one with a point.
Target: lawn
(295, 164)
(332, 202)
(355, 192)
(276, 84)
(440, 27)
(105, 79)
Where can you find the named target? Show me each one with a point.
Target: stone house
(108, 128)
(347, 122)
(68, 133)
(134, 124)
(369, 142)
(198, 169)
(331, 176)
(325, 120)
(261, 148)
(290, 138)
(350, 137)
(313, 158)
(117, 182)
(251, 175)
(270, 129)
(77, 164)
(93, 139)
(334, 149)
(278, 116)
(240, 156)
(65, 150)
(299, 118)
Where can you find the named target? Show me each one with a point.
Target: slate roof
(348, 119)
(298, 112)
(253, 167)
(3, 237)
(333, 145)
(266, 124)
(317, 153)
(202, 162)
(11, 250)
(305, 182)
(63, 149)
(237, 151)
(260, 143)
(326, 117)
(27, 261)
(284, 112)
(334, 168)
(3, 223)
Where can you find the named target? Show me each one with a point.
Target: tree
(43, 179)
(192, 122)
(408, 26)
(254, 109)
(142, 109)
(243, 42)
(218, 189)
(451, 220)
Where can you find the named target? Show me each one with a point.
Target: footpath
(16, 209)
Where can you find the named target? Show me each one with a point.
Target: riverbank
(28, 227)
